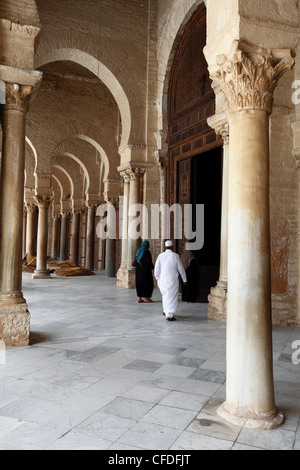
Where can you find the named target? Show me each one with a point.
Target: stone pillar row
(59, 246)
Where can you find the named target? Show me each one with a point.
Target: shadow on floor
(36, 338)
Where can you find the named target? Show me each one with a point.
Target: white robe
(168, 266)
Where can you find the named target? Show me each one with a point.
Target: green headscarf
(140, 252)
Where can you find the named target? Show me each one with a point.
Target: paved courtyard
(103, 372)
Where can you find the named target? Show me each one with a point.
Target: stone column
(121, 275)
(134, 198)
(41, 272)
(14, 315)
(218, 294)
(55, 233)
(110, 245)
(31, 229)
(75, 237)
(83, 235)
(90, 236)
(63, 237)
(24, 232)
(124, 249)
(248, 80)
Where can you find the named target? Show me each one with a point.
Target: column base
(217, 302)
(126, 277)
(14, 320)
(250, 420)
(41, 274)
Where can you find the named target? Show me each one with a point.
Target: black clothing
(143, 276)
(189, 291)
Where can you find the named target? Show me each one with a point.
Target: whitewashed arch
(34, 152)
(60, 187)
(103, 155)
(80, 163)
(102, 72)
(68, 176)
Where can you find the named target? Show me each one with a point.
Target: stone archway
(103, 73)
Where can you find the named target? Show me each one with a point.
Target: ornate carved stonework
(30, 208)
(132, 173)
(18, 95)
(219, 122)
(249, 77)
(91, 205)
(43, 200)
(125, 176)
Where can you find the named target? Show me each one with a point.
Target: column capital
(17, 96)
(20, 86)
(133, 173)
(113, 200)
(219, 122)
(43, 201)
(29, 207)
(91, 205)
(249, 76)
(125, 176)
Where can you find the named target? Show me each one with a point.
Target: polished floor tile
(103, 372)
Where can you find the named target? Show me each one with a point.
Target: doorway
(208, 191)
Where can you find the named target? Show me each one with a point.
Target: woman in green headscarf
(143, 273)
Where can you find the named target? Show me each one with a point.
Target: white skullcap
(168, 243)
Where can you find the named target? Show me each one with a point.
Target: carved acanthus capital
(125, 176)
(43, 201)
(250, 75)
(91, 206)
(18, 96)
(135, 173)
(219, 122)
(30, 208)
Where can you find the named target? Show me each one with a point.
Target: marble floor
(103, 372)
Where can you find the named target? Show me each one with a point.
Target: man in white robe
(168, 267)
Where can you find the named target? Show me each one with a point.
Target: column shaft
(110, 246)
(134, 198)
(41, 271)
(222, 283)
(14, 315)
(90, 238)
(31, 229)
(75, 237)
(24, 233)
(217, 298)
(250, 390)
(55, 240)
(122, 271)
(63, 238)
(12, 176)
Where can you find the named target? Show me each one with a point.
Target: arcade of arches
(161, 101)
